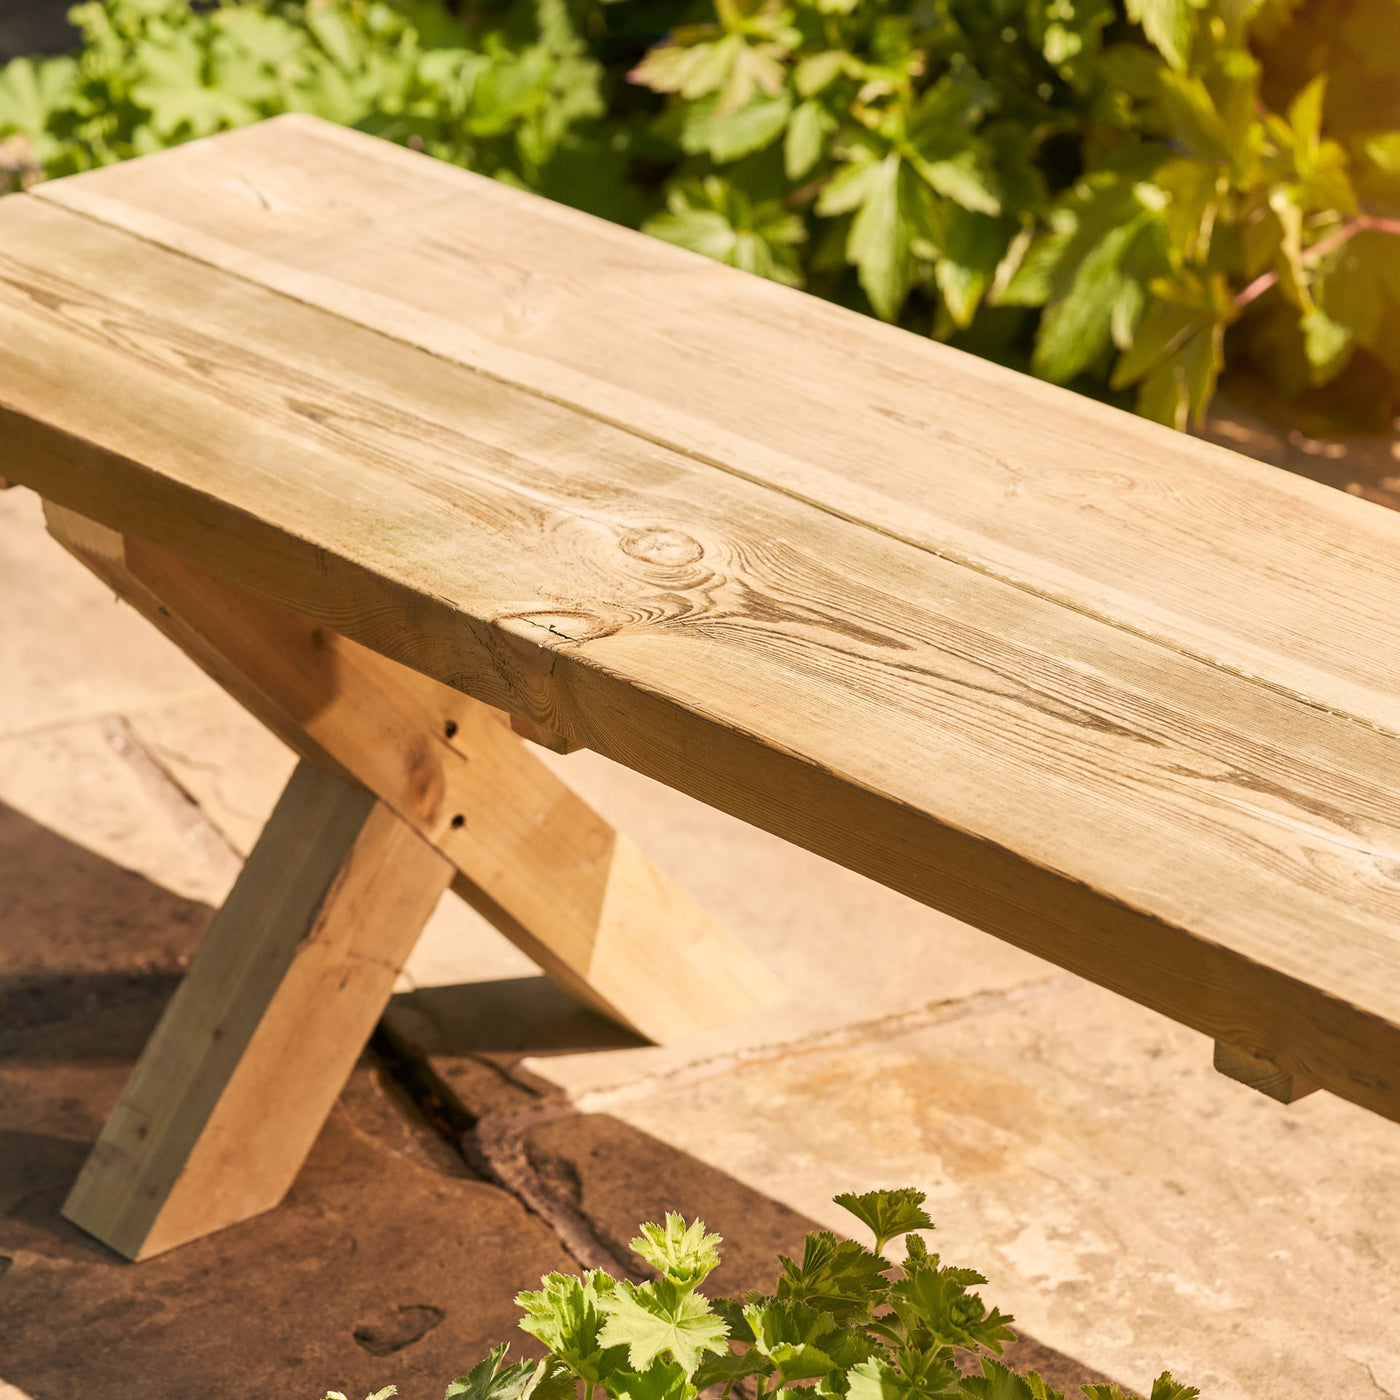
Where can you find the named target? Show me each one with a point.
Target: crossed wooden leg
(406, 785)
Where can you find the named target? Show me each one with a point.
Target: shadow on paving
(391, 1259)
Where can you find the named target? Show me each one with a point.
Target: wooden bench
(393, 451)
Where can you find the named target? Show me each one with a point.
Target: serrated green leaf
(887, 1214)
(971, 247)
(566, 1314)
(683, 1253)
(491, 1379)
(662, 1380)
(881, 239)
(794, 1337)
(728, 1367)
(998, 1382)
(729, 136)
(1077, 326)
(839, 1277)
(32, 91)
(1164, 1388)
(713, 218)
(732, 1312)
(936, 1301)
(652, 1318)
(916, 1377)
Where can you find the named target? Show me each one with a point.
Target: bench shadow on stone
(89, 955)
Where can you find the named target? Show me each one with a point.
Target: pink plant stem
(1362, 223)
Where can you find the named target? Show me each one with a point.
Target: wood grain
(262, 1034)
(532, 857)
(1146, 773)
(1253, 569)
(1261, 1074)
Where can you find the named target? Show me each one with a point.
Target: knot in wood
(672, 549)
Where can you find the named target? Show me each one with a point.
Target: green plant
(837, 1326)
(1123, 195)
(509, 98)
(1100, 193)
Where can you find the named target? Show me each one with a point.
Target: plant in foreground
(837, 1326)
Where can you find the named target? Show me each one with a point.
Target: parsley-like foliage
(843, 1324)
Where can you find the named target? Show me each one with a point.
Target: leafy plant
(1100, 193)
(510, 99)
(837, 1325)
(1122, 195)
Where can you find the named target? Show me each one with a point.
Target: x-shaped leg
(406, 786)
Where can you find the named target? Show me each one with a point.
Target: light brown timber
(576, 895)
(1162, 534)
(1262, 1073)
(1160, 755)
(262, 1034)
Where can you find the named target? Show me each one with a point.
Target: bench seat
(1121, 697)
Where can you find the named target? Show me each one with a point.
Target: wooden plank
(262, 1034)
(1195, 839)
(1262, 1073)
(1255, 570)
(533, 857)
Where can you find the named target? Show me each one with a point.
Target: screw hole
(450, 729)
(458, 822)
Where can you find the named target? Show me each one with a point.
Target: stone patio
(1131, 1207)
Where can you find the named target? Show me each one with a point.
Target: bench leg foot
(1261, 1073)
(261, 1036)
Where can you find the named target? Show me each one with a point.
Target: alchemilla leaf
(652, 1318)
(685, 1254)
(887, 1214)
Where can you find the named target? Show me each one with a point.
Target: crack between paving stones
(188, 816)
(493, 1144)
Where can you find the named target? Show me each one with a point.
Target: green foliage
(837, 1326)
(1122, 195)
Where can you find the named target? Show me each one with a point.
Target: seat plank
(1257, 571)
(1203, 842)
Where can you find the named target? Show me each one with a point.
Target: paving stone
(387, 1262)
(69, 649)
(79, 933)
(1131, 1207)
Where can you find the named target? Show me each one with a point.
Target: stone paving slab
(380, 1266)
(1133, 1208)
(1127, 1203)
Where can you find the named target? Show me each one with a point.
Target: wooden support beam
(1261, 1073)
(262, 1034)
(537, 861)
